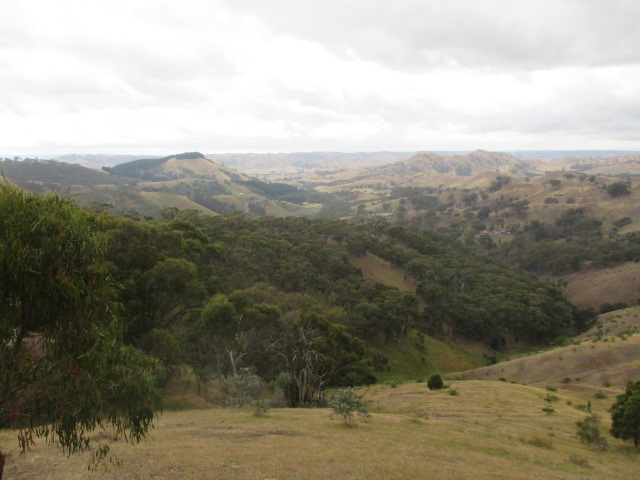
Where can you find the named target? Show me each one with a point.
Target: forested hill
(184, 165)
(216, 291)
(51, 174)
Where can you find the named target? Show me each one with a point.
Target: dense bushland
(281, 295)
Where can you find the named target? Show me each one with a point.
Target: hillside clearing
(380, 270)
(592, 287)
(583, 368)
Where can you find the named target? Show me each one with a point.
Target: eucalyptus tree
(65, 370)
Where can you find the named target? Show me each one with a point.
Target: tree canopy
(65, 369)
(625, 414)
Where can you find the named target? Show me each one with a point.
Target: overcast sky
(160, 77)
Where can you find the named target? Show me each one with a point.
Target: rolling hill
(174, 167)
(601, 359)
(277, 164)
(54, 173)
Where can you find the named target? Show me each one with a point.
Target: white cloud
(249, 75)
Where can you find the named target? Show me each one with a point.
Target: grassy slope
(415, 359)
(490, 430)
(165, 199)
(375, 268)
(618, 322)
(596, 359)
(593, 287)
(241, 202)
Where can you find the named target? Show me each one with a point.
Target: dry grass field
(489, 430)
(592, 287)
(618, 322)
(602, 359)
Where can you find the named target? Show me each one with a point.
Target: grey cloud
(416, 34)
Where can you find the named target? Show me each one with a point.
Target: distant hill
(306, 162)
(303, 162)
(560, 154)
(463, 165)
(97, 160)
(460, 169)
(53, 172)
(618, 165)
(174, 167)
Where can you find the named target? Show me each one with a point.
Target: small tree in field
(64, 369)
(347, 404)
(589, 432)
(625, 414)
(435, 382)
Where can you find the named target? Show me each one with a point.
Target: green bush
(622, 222)
(618, 188)
(435, 382)
(589, 432)
(261, 407)
(551, 398)
(581, 462)
(347, 404)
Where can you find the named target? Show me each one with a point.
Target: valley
(484, 267)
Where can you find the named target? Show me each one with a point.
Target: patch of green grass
(408, 362)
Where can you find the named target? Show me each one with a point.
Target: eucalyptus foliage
(348, 405)
(65, 370)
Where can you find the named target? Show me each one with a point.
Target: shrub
(435, 382)
(548, 410)
(621, 222)
(538, 440)
(261, 407)
(610, 307)
(618, 188)
(589, 432)
(581, 462)
(347, 404)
